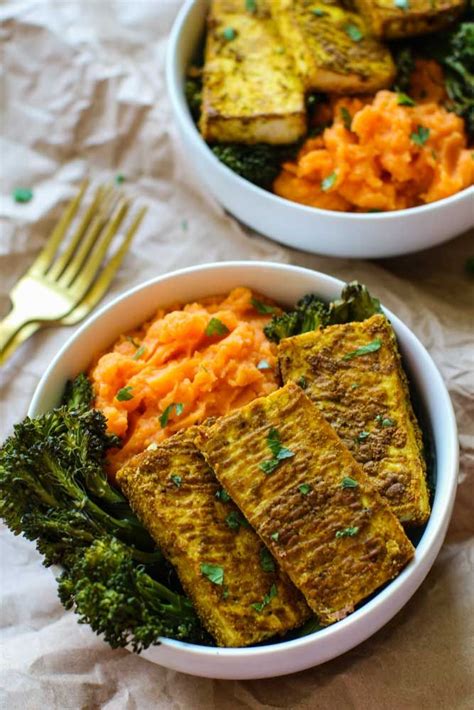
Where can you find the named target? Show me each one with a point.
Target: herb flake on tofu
(214, 573)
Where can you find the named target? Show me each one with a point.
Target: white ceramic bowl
(285, 284)
(320, 231)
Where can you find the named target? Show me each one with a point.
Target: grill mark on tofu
(251, 91)
(189, 524)
(367, 401)
(418, 17)
(334, 570)
(327, 57)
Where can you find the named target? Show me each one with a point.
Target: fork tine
(91, 266)
(58, 266)
(103, 280)
(86, 244)
(46, 255)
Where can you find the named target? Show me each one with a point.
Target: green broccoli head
(355, 304)
(121, 601)
(78, 393)
(259, 163)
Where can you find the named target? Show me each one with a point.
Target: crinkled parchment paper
(83, 92)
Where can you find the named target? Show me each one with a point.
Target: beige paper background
(83, 91)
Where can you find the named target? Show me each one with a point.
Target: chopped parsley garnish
(304, 489)
(405, 100)
(119, 179)
(225, 592)
(346, 118)
(178, 407)
(267, 563)
(262, 308)
(229, 34)
(133, 341)
(214, 573)
(384, 421)
(22, 194)
(269, 465)
(328, 182)
(139, 352)
(348, 482)
(274, 536)
(354, 386)
(363, 435)
(318, 12)
(177, 480)
(259, 606)
(347, 532)
(402, 4)
(184, 225)
(216, 327)
(124, 394)
(251, 5)
(353, 32)
(264, 365)
(223, 496)
(364, 349)
(420, 136)
(301, 381)
(235, 519)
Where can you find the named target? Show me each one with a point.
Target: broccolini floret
(120, 600)
(259, 163)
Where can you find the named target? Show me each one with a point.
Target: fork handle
(9, 326)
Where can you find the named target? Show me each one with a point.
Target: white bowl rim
(176, 94)
(433, 535)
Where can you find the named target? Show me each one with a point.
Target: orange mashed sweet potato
(379, 154)
(188, 363)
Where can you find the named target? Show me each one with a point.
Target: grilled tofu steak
(240, 594)
(404, 18)
(308, 499)
(353, 374)
(332, 47)
(251, 91)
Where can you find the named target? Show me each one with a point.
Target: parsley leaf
(363, 435)
(420, 136)
(275, 536)
(304, 489)
(405, 100)
(328, 182)
(269, 465)
(267, 563)
(214, 573)
(348, 482)
(176, 480)
(229, 34)
(235, 519)
(346, 118)
(124, 394)
(402, 4)
(139, 352)
(347, 532)
(251, 5)
(216, 327)
(179, 407)
(384, 421)
(318, 12)
(301, 382)
(264, 365)
(223, 496)
(119, 179)
(261, 307)
(259, 606)
(22, 194)
(364, 349)
(353, 32)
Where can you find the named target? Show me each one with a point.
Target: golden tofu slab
(308, 499)
(251, 92)
(236, 587)
(364, 395)
(405, 18)
(333, 48)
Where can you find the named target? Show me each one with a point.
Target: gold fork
(62, 288)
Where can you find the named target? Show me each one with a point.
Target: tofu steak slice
(353, 374)
(392, 20)
(333, 48)
(240, 594)
(251, 91)
(308, 499)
